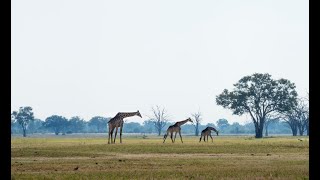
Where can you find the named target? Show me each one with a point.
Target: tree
(259, 96)
(222, 124)
(160, 118)
(76, 124)
(302, 116)
(23, 117)
(298, 117)
(197, 119)
(99, 122)
(307, 114)
(292, 122)
(56, 123)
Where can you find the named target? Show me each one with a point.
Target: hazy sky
(89, 58)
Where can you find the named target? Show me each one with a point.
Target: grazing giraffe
(116, 122)
(175, 128)
(207, 132)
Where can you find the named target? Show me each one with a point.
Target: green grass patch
(138, 158)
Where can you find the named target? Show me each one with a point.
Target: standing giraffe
(207, 132)
(175, 128)
(117, 121)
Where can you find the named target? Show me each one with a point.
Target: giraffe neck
(181, 122)
(211, 128)
(127, 114)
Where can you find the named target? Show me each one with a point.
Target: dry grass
(137, 158)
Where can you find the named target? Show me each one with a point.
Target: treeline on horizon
(273, 105)
(99, 124)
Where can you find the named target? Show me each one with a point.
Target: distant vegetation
(273, 105)
(65, 126)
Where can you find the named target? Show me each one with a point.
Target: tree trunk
(159, 131)
(259, 133)
(266, 131)
(259, 128)
(197, 130)
(24, 132)
(301, 131)
(294, 131)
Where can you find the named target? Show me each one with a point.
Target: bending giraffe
(207, 132)
(116, 122)
(175, 128)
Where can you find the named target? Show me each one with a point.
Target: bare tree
(302, 116)
(159, 118)
(298, 118)
(307, 114)
(196, 119)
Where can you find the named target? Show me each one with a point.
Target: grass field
(228, 157)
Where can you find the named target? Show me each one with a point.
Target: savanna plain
(146, 157)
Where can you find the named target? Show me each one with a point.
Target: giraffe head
(212, 128)
(138, 114)
(190, 120)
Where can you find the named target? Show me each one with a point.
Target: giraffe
(117, 121)
(207, 132)
(175, 128)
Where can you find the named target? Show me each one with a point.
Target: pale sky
(98, 57)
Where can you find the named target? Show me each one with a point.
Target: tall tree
(197, 119)
(24, 116)
(56, 123)
(259, 95)
(159, 118)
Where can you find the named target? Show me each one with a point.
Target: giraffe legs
(207, 138)
(115, 135)
(180, 136)
(200, 138)
(211, 138)
(121, 132)
(175, 135)
(110, 135)
(165, 137)
(171, 134)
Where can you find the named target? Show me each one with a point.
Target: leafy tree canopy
(259, 95)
